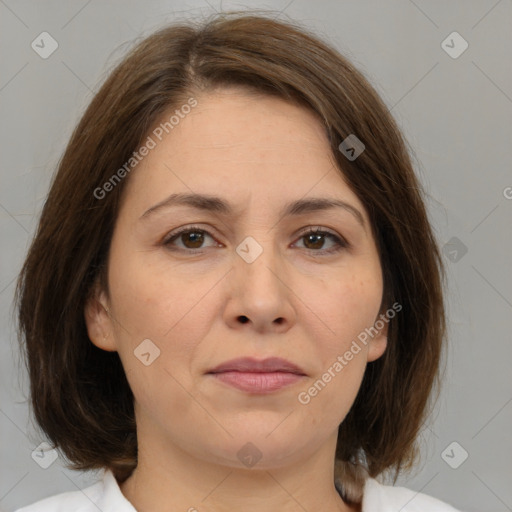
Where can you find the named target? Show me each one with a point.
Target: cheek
(171, 308)
(152, 296)
(161, 323)
(346, 307)
(330, 394)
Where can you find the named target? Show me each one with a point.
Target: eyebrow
(217, 205)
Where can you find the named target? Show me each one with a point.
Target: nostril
(243, 319)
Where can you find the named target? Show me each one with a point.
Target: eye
(315, 240)
(192, 238)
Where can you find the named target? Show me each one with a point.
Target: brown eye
(195, 238)
(314, 240)
(192, 238)
(189, 238)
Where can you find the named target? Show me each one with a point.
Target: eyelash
(340, 242)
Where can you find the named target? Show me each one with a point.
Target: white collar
(377, 497)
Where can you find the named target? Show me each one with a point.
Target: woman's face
(248, 280)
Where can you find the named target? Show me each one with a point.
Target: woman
(234, 297)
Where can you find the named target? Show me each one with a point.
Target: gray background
(456, 115)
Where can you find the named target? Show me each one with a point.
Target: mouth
(258, 377)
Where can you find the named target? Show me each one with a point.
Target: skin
(258, 153)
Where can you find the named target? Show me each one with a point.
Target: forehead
(235, 124)
(242, 146)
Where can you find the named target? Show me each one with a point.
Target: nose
(260, 293)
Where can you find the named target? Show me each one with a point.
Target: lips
(247, 364)
(258, 377)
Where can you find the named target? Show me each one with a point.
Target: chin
(256, 449)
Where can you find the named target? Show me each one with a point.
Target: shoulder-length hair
(79, 394)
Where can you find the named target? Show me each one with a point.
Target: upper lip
(249, 364)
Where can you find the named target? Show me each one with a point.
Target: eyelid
(321, 229)
(339, 240)
(184, 229)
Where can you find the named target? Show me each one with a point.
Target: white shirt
(105, 495)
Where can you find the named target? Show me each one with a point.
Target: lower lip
(254, 382)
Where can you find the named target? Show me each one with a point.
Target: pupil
(195, 238)
(316, 240)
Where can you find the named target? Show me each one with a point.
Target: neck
(176, 481)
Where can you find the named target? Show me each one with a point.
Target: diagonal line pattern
(301, 300)
(77, 76)
(101, 510)
(73, 17)
(18, 482)
(199, 403)
(485, 15)
(24, 433)
(492, 211)
(13, 218)
(405, 504)
(431, 431)
(424, 14)
(501, 409)
(198, 302)
(508, 508)
(280, 423)
(314, 185)
(414, 86)
(15, 75)
(13, 13)
(286, 491)
(493, 287)
(217, 486)
(112, 317)
(278, 276)
(492, 81)
(7, 285)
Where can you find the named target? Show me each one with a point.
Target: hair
(79, 393)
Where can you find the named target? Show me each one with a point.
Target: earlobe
(378, 343)
(377, 347)
(98, 322)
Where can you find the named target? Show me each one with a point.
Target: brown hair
(79, 393)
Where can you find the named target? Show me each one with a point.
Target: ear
(98, 321)
(379, 342)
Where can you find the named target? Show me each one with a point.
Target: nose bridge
(259, 292)
(257, 260)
